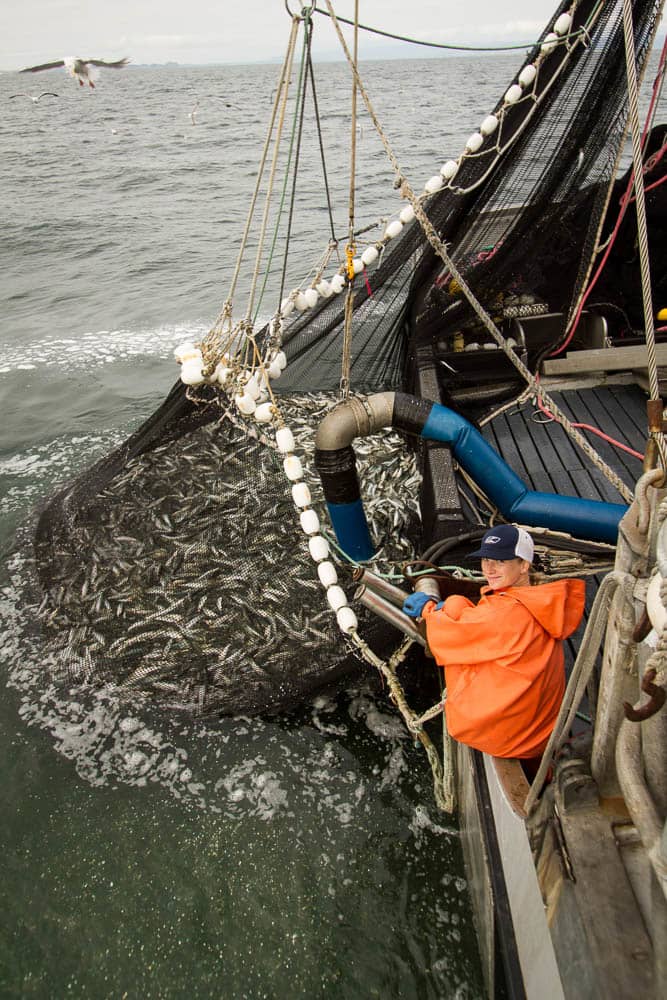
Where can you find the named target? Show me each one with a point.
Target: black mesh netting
(175, 566)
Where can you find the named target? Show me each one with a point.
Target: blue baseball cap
(505, 541)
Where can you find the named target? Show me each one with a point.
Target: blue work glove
(413, 605)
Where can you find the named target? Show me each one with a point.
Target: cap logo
(492, 539)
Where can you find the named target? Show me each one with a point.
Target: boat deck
(540, 451)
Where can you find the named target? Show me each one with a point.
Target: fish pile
(188, 580)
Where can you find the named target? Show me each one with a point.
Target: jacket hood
(557, 606)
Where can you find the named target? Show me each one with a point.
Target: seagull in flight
(83, 70)
(35, 100)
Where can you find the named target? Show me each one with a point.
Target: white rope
(642, 232)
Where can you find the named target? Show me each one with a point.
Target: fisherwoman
(503, 657)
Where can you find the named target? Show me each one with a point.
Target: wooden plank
(609, 359)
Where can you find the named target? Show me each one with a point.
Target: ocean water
(144, 855)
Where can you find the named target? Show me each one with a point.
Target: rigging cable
(431, 45)
(655, 425)
(441, 250)
(349, 249)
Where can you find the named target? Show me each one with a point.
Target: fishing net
(175, 567)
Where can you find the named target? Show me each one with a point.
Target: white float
(311, 297)
(347, 620)
(489, 125)
(369, 256)
(245, 404)
(318, 547)
(336, 597)
(514, 94)
(527, 75)
(406, 214)
(192, 371)
(293, 468)
(327, 574)
(433, 184)
(301, 495)
(549, 44)
(393, 229)
(563, 23)
(474, 143)
(284, 440)
(449, 169)
(264, 413)
(310, 522)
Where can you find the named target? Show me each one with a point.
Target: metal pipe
(379, 586)
(389, 612)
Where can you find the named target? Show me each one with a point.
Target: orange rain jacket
(504, 666)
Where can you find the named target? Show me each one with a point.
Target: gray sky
(220, 31)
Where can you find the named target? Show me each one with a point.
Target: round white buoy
(327, 574)
(286, 306)
(245, 404)
(527, 75)
(550, 42)
(474, 142)
(310, 522)
(449, 170)
(406, 214)
(252, 389)
(281, 360)
(433, 184)
(301, 302)
(562, 24)
(264, 413)
(324, 289)
(393, 229)
(369, 256)
(347, 620)
(222, 373)
(514, 94)
(284, 440)
(191, 371)
(301, 494)
(274, 370)
(318, 548)
(357, 265)
(311, 297)
(337, 283)
(186, 351)
(489, 125)
(293, 468)
(336, 597)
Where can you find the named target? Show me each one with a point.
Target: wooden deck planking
(544, 456)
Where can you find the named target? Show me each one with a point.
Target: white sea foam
(213, 767)
(97, 348)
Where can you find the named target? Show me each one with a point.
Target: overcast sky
(221, 31)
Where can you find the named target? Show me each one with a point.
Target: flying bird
(83, 70)
(35, 100)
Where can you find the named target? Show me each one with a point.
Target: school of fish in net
(188, 581)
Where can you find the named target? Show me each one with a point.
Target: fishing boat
(498, 336)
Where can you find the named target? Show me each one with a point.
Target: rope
(432, 45)
(443, 800)
(346, 360)
(642, 232)
(440, 249)
(581, 673)
(298, 116)
(281, 92)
